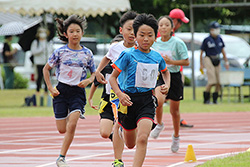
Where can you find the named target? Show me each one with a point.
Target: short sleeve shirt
(212, 46)
(174, 48)
(115, 50)
(71, 65)
(128, 63)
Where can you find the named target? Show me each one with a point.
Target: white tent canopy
(65, 7)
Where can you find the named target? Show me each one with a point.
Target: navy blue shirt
(212, 46)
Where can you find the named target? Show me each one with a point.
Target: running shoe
(60, 162)
(175, 144)
(117, 163)
(183, 123)
(157, 130)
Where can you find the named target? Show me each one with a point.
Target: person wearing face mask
(213, 45)
(40, 49)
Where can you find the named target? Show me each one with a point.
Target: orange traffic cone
(190, 155)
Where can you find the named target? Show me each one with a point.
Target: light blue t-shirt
(129, 63)
(174, 48)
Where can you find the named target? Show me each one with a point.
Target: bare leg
(118, 144)
(106, 126)
(68, 127)
(159, 110)
(144, 128)
(175, 112)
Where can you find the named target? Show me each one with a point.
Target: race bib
(108, 86)
(146, 75)
(70, 75)
(167, 53)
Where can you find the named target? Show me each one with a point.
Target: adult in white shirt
(40, 49)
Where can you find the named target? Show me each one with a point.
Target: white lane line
(59, 146)
(150, 148)
(31, 138)
(86, 157)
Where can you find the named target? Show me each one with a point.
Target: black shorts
(105, 109)
(176, 86)
(70, 99)
(144, 105)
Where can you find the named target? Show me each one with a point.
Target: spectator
(40, 49)
(8, 53)
(213, 45)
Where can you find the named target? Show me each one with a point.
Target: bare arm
(124, 98)
(166, 77)
(88, 81)
(54, 92)
(91, 94)
(10, 53)
(225, 58)
(183, 62)
(201, 60)
(99, 77)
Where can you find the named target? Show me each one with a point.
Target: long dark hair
(62, 25)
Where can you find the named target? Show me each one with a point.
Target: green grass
(241, 159)
(11, 102)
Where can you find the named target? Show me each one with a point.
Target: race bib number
(70, 75)
(146, 75)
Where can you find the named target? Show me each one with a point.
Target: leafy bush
(187, 81)
(19, 81)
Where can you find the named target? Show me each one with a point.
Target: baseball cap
(178, 14)
(214, 24)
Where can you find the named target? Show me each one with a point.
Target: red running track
(35, 142)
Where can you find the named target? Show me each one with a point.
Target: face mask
(42, 35)
(215, 32)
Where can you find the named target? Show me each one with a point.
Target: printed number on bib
(70, 75)
(146, 75)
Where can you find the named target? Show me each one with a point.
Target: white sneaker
(60, 162)
(157, 130)
(175, 144)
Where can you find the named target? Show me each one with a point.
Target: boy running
(140, 68)
(126, 29)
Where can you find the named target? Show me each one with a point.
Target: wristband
(226, 63)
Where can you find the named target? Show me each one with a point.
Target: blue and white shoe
(60, 162)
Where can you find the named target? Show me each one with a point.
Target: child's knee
(104, 134)
(61, 130)
(142, 139)
(130, 145)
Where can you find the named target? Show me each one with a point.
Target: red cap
(178, 14)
